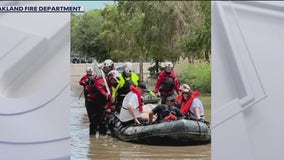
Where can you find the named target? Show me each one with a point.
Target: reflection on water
(107, 148)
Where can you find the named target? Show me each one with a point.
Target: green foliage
(196, 43)
(139, 30)
(75, 20)
(198, 76)
(85, 38)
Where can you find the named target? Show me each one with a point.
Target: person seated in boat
(166, 112)
(132, 106)
(171, 101)
(179, 96)
(191, 105)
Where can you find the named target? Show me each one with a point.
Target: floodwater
(84, 147)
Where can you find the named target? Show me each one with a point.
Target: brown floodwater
(108, 148)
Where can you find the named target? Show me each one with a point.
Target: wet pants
(96, 115)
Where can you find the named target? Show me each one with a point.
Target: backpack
(168, 85)
(168, 114)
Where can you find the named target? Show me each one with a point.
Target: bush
(197, 76)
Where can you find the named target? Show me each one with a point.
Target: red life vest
(136, 91)
(179, 99)
(98, 92)
(185, 106)
(85, 82)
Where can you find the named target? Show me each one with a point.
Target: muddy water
(107, 148)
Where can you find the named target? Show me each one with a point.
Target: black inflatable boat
(174, 133)
(148, 99)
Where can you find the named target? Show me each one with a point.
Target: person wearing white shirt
(130, 112)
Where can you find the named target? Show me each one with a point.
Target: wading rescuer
(127, 78)
(112, 81)
(84, 81)
(167, 83)
(96, 100)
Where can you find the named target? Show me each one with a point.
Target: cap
(185, 90)
(185, 86)
(143, 86)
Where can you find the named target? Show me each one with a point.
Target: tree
(85, 36)
(75, 20)
(143, 30)
(139, 30)
(196, 43)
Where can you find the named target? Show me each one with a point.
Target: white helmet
(108, 63)
(128, 66)
(169, 64)
(89, 69)
(113, 74)
(127, 69)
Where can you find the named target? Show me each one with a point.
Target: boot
(93, 130)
